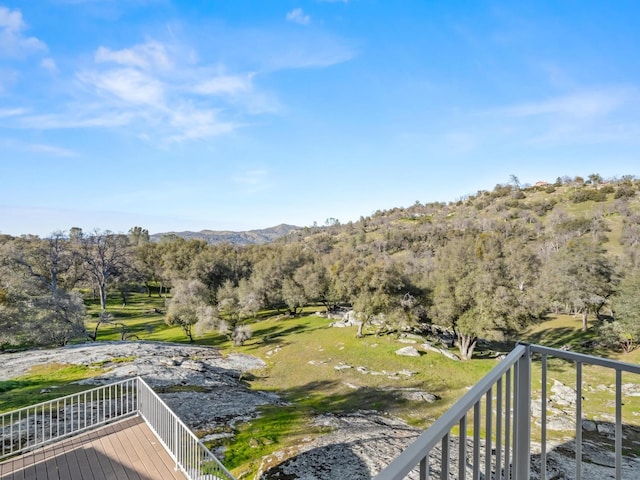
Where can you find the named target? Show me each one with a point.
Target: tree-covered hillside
(485, 266)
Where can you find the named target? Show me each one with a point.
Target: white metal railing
(497, 411)
(189, 453)
(37, 425)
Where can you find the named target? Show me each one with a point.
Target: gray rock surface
(408, 352)
(358, 447)
(204, 388)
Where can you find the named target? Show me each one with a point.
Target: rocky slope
(206, 390)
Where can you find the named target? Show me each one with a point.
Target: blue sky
(234, 114)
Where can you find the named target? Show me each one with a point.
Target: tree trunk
(359, 333)
(102, 290)
(466, 345)
(585, 312)
(187, 330)
(95, 331)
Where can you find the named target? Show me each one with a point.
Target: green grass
(277, 426)
(597, 382)
(301, 354)
(288, 345)
(44, 382)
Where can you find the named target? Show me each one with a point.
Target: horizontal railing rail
(189, 453)
(417, 455)
(37, 425)
(47, 422)
(497, 411)
(579, 361)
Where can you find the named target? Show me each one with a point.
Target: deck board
(125, 450)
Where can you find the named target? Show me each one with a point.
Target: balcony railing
(488, 432)
(31, 427)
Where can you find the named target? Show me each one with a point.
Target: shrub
(584, 195)
(625, 191)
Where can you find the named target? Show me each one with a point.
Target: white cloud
(297, 15)
(52, 150)
(12, 112)
(144, 56)
(192, 124)
(252, 181)
(38, 148)
(127, 84)
(164, 92)
(13, 43)
(585, 104)
(225, 84)
(92, 118)
(49, 64)
(8, 78)
(582, 117)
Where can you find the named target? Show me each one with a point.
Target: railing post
(175, 441)
(522, 420)
(138, 394)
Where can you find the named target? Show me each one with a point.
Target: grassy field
(44, 382)
(302, 354)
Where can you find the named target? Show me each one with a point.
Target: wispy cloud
(13, 42)
(585, 104)
(225, 85)
(97, 118)
(148, 89)
(147, 55)
(12, 112)
(8, 78)
(49, 150)
(52, 150)
(297, 15)
(585, 116)
(252, 180)
(166, 91)
(49, 64)
(126, 84)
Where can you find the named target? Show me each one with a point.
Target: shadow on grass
(275, 335)
(575, 339)
(285, 424)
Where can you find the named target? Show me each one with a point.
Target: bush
(584, 195)
(501, 191)
(544, 206)
(625, 191)
(241, 334)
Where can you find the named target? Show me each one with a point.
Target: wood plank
(125, 450)
(94, 462)
(153, 447)
(113, 450)
(105, 462)
(133, 450)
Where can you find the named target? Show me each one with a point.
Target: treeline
(485, 266)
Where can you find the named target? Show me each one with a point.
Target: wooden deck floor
(125, 450)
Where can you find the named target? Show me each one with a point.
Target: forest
(483, 267)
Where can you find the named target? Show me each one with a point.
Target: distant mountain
(251, 237)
